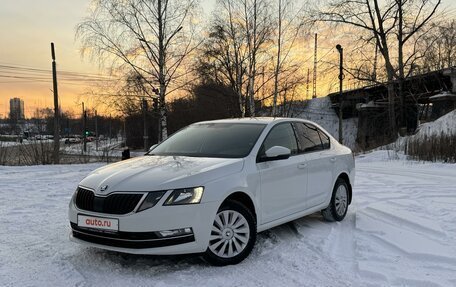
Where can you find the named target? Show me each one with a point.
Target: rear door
(314, 145)
(283, 182)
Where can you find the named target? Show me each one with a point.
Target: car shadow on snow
(267, 241)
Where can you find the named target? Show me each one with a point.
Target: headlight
(151, 199)
(185, 196)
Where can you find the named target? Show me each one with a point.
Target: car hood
(150, 173)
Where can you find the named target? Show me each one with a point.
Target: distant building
(16, 109)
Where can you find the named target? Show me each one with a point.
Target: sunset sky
(28, 28)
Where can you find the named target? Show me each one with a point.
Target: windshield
(225, 140)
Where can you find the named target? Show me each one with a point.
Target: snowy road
(400, 231)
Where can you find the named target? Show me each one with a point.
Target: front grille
(85, 199)
(134, 240)
(118, 203)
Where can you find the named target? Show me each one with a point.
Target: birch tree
(241, 50)
(151, 38)
(289, 24)
(258, 27)
(239, 36)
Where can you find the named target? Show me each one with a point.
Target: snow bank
(445, 125)
(381, 155)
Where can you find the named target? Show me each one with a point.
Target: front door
(283, 182)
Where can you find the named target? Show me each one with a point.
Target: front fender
(220, 189)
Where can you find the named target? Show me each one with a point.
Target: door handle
(302, 165)
(333, 159)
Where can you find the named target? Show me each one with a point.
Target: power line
(69, 77)
(25, 78)
(34, 79)
(40, 70)
(25, 74)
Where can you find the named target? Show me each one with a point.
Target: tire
(231, 240)
(338, 206)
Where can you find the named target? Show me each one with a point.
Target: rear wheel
(233, 235)
(337, 208)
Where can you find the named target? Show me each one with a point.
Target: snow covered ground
(111, 147)
(399, 231)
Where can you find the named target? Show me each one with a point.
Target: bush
(432, 148)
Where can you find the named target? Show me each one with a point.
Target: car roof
(253, 120)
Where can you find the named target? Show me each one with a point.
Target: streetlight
(341, 77)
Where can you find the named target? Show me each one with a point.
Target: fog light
(176, 232)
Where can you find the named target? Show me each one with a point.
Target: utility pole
(110, 135)
(314, 80)
(262, 86)
(68, 128)
(96, 131)
(124, 139)
(84, 123)
(307, 83)
(341, 77)
(110, 129)
(56, 108)
(146, 137)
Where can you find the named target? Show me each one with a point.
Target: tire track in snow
(428, 248)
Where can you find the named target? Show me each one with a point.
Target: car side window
(324, 140)
(280, 135)
(310, 138)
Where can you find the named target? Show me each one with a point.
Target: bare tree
(442, 54)
(237, 46)
(258, 27)
(151, 38)
(412, 17)
(391, 25)
(226, 47)
(289, 23)
(241, 50)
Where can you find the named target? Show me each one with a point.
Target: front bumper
(138, 232)
(135, 240)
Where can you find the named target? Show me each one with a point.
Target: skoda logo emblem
(103, 188)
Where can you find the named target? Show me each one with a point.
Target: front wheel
(337, 208)
(233, 235)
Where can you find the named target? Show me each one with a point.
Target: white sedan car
(212, 186)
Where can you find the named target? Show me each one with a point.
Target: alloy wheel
(341, 200)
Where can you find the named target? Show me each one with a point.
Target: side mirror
(152, 147)
(276, 153)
